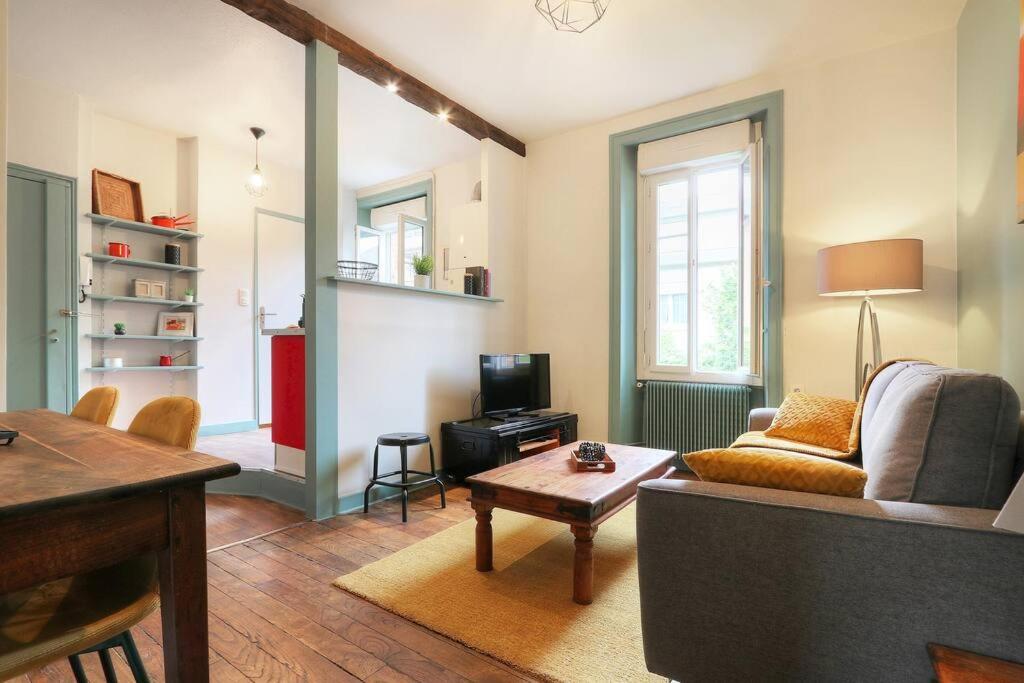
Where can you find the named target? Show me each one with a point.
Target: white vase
(421, 281)
(189, 298)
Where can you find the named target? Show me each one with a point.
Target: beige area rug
(521, 613)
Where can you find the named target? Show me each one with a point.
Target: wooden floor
(274, 615)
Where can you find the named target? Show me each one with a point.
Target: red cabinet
(288, 390)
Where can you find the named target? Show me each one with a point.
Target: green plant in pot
(424, 266)
(190, 294)
(120, 329)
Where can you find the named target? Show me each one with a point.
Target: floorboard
(274, 615)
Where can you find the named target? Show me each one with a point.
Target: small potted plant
(424, 266)
(190, 295)
(120, 329)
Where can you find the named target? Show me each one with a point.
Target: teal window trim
(624, 398)
(424, 188)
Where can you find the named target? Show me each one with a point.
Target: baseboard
(228, 428)
(276, 486)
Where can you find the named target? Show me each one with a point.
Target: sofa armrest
(760, 419)
(737, 582)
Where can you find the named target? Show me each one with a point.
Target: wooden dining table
(77, 496)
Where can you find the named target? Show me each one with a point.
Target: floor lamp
(869, 269)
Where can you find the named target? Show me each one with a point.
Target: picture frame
(176, 324)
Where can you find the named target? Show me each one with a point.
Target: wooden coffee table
(545, 485)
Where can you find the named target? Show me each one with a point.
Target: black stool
(403, 440)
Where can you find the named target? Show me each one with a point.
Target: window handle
(766, 283)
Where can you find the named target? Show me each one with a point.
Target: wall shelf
(145, 300)
(142, 263)
(413, 290)
(121, 224)
(147, 368)
(142, 337)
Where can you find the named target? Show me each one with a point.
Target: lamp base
(863, 370)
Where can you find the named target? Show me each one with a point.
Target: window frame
(647, 272)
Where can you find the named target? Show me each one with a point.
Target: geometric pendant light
(572, 15)
(257, 185)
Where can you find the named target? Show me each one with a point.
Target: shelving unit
(142, 337)
(111, 285)
(173, 303)
(147, 368)
(141, 263)
(122, 224)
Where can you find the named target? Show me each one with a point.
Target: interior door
(280, 283)
(41, 334)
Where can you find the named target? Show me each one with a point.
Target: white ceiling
(500, 59)
(200, 67)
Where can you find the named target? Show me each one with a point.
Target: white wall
(3, 206)
(227, 214)
(868, 153)
(410, 361)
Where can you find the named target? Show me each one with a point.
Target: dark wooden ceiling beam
(300, 25)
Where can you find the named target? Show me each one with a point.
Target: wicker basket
(357, 270)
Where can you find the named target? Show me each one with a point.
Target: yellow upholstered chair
(173, 420)
(93, 612)
(98, 405)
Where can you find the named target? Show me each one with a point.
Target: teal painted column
(321, 293)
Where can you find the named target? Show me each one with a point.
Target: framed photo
(176, 324)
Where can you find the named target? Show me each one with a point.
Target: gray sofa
(740, 583)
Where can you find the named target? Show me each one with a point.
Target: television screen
(515, 382)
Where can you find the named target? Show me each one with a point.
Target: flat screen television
(514, 382)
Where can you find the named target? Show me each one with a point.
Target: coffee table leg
(484, 542)
(583, 565)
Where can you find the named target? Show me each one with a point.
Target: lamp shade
(1011, 517)
(871, 268)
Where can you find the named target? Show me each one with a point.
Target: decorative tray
(606, 464)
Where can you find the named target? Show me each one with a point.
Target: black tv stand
(479, 444)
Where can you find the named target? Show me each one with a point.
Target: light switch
(243, 297)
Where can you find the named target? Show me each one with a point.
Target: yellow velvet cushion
(818, 420)
(98, 405)
(173, 420)
(778, 470)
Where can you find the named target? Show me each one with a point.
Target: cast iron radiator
(686, 417)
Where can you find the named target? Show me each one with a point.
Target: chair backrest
(98, 405)
(172, 420)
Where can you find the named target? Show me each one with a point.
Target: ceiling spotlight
(257, 185)
(392, 87)
(575, 16)
(442, 116)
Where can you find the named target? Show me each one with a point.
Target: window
(398, 233)
(699, 299)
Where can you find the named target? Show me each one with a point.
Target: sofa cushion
(760, 440)
(939, 435)
(774, 469)
(817, 420)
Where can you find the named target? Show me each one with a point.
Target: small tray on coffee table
(606, 464)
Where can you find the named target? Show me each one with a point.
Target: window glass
(672, 279)
(718, 270)
(413, 247)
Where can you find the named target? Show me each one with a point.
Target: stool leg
(108, 666)
(405, 480)
(433, 471)
(366, 498)
(76, 668)
(376, 452)
(131, 653)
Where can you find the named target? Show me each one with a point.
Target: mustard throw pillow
(778, 470)
(818, 420)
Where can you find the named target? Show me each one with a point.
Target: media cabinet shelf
(142, 263)
(122, 224)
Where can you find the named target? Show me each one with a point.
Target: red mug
(165, 360)
(119, 249)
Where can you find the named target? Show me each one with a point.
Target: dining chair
(93, 612)
(98, 405)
